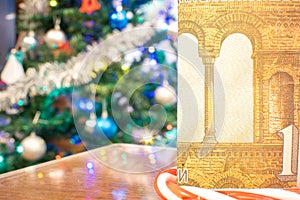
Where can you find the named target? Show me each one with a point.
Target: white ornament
(29, 42)
(34, 147)
(13, 70)
(55, 37)
(165, 95)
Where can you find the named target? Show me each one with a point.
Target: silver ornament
(55, 37)
(34, 147)
(165, 94)
(29, 42)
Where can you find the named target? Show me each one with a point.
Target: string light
(89, 165)
(40, 175)
(1, 159)
(151, 49)
(169, 127)
(125, 67)
(124, 156)
(21, 102)
(20, 149)
(53, 3)
(91, 171)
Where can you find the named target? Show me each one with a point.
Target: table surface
(70, 178)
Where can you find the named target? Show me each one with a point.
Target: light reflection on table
(80, 176)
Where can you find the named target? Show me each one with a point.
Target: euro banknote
(239, 93)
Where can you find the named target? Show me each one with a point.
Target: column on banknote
(209, 121)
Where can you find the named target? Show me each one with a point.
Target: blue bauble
(107, 126)
(118, 20)
(75, 139)
(149, 94)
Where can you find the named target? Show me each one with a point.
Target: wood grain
(69, 178)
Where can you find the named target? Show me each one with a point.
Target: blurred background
(53, 105)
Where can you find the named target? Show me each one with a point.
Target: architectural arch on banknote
(193, 28)
(234, 66)
(239, 22)
(274, 31)
(281, 101)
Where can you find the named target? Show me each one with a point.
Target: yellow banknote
(239, 93)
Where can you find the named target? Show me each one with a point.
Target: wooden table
(73, 178)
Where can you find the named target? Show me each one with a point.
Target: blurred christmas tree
(95, 111)
(67, 26)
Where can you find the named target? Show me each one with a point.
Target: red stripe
(156, 187)
(182, 193)
(246, 195)
(186, 195)
(295, 190)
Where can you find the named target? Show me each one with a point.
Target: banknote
(239, 93)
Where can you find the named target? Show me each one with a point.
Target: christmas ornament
(29, 42)
(75, 140)
(118, 19)
(105, 124)
(13, 69)
(41, 83)
(34, 147)
(56, 38)
(89, 6)
(165, 94)
(148, 92)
